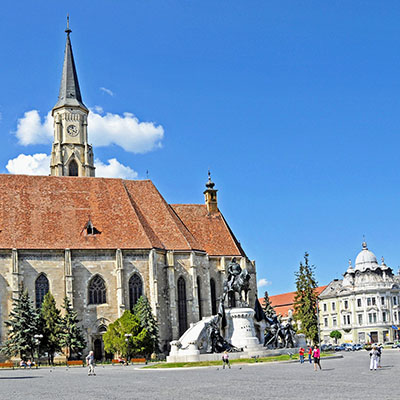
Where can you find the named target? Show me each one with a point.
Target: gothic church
(105, 242)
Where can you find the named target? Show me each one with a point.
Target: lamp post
(38, 338)
(127, 336)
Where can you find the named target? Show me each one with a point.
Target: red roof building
(282, 303)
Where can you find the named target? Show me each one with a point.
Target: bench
(7, 364)
(138, 360)
(75, 362)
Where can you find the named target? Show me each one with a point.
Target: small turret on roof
(70, 93)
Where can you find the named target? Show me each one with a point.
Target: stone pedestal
(240, 330)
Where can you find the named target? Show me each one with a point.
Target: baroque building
(364, 305)
(105, 242)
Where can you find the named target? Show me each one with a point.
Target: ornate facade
(105, 242)
(364, 305)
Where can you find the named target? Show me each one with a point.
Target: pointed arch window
(182, 307)
(73, 168)
(135, 290)
(213, 297)
(199, 298)
(41, 289)
(97, 290)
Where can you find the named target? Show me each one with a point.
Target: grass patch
(283, 357)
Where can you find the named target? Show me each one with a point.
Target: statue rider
(233, 271)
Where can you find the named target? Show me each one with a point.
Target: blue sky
(294, 106)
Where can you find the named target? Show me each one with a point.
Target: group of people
(26, 364)
(375, 358)
(314, 353)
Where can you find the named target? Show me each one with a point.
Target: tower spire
(211, 196)
(70, 93)
(71, 154)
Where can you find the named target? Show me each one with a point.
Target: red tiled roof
(47, 212)
(282, 303)
(212, 231)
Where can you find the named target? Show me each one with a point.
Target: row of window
(372, 318)
(370, 301)
(97, 294)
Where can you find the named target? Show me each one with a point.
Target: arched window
(41, 289)
(182, 311)
(213, 297)
(73, 168)
(199, 298)
(97, 290)
(135, 290)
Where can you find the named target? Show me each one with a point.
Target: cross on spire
(68, 31)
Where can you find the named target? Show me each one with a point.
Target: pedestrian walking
(90, 363)
(301, 355)
(225, 360)
(374, 356)
(309, 354)
(317, 358)
(379, 348)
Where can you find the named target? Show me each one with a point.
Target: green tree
(335, 335)
(147, 321)
(305, 300)
(23, 325)
(51, 326)
(126, 336)
(72, 337)
(269, 311)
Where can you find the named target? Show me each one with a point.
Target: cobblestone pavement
(345, 378)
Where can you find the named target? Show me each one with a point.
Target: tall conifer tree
(51, 322)
(305, 300)
(23, 325)
(144, 312)
(269, 311)
(72, 337)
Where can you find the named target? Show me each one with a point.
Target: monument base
(240, 330)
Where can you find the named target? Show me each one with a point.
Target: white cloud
(114, 169)
(37, 164)
(123, 130)
(108, 91)
(98, 109)
(263, 282)
(31, 130)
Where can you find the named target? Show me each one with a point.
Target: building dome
(366, 259)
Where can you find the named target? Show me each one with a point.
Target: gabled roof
(70, 93)
(49, 212)
(211, 230)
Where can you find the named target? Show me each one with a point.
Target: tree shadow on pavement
(20, 377)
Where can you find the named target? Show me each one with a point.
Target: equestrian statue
(238, 281)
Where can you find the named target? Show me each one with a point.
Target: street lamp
(127, 336)
(38, 338)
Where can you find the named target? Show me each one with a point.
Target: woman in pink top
(316, 356)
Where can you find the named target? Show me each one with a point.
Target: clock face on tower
(72, 130)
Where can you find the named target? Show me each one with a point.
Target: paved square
(347, 378)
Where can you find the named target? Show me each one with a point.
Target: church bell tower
(71, 154)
